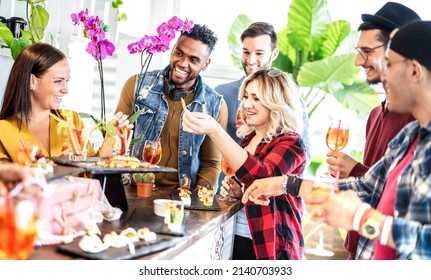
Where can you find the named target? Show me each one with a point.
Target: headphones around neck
(175, 93)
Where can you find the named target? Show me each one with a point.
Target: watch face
(370, 229)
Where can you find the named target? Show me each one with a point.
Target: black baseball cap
(413, 41)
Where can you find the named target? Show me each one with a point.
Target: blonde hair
(277, 92)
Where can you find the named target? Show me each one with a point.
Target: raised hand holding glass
(229, 172)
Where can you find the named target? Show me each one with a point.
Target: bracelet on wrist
(291, 184)
(358, 215)
(387, 225)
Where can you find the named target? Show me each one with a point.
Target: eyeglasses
(272, 72)
(365, 52)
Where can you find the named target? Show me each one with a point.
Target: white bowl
(160, 206)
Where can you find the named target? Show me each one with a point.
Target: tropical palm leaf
(234, 39)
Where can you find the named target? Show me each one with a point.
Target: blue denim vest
(149, 96)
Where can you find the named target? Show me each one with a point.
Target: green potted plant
(144, 183)
(37, 17)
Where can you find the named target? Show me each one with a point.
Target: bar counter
(208, 235)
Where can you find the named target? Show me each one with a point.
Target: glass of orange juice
(18, 226)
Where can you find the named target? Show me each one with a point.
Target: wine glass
(152, 153)
(228, 171)
(323, 186)
(337, 137)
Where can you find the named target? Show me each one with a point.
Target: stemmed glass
(323, 186)
(337, 137)
(228, 171)
(152, 153)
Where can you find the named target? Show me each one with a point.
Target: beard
(374, 81)
(266, 64)
(183, 83)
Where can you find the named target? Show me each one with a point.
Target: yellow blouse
(11, 136)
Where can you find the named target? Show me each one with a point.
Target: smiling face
(256, 114)
(257, 53)
(50, 88)
(188, 58)
(395, 79)
(369, 43)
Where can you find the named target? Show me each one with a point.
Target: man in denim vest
(159, 94)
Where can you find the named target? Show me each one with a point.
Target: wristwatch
(371, 227)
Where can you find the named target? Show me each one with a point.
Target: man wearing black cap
(399, 226)
(382, 125)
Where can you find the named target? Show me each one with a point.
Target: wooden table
(208, 234)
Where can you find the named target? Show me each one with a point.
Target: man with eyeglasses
(390, 205)
(382, 125)
(399, 226)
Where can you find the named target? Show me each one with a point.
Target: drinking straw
(25, 150)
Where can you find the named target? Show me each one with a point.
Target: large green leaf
(282, 62)
(287, 55)
(6, 34)
(234, 38)
(336, 33)
(330, 73)
(308, 20)
(28, 35)
(348, 43)
(359, 97)
(17, 45)
(39, 19)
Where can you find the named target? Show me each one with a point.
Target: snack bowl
(160, 206)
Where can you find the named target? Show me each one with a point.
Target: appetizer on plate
(124, 162)
(146, 234)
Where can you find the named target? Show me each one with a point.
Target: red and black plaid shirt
(276, 229)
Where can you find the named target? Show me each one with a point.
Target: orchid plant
(99, 46)
(159, 43)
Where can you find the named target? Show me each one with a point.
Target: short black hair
(259, 28)
(204, 34)
(383, 35)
